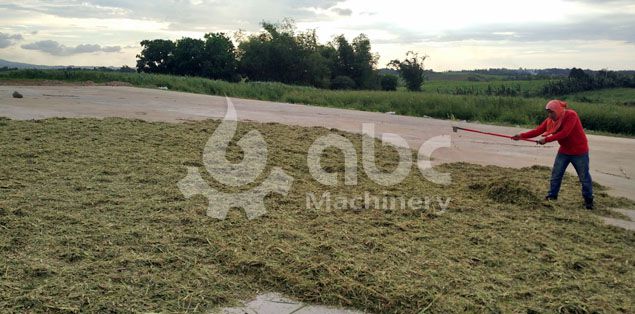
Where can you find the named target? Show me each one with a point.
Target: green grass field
(451, 86)
(91, 220)
(461, 76)
(618, 96)
(605, 116)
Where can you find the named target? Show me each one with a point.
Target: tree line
(279, 53)
(579, 81)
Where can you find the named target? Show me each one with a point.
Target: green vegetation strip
(91, 220)
(611, 118)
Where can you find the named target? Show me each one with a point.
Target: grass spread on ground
(91, 220)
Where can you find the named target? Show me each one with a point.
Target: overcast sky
(454, 34)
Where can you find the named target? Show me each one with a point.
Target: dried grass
(91, 220)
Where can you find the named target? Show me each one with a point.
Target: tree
(317, 72)
(254, 58)
(410, 69)
(219, 58)
(344, 57)
(279, 54)
(188, 57)
(156, 56)
(578, 75)
(342, 82)
(126, 69)
(355, 61)
(389, 82)
(269, 56)
(364, 63)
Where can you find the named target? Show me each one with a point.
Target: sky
(454, 34)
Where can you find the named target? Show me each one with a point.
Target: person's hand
(541, 141)
(516, 137)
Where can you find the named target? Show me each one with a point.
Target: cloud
(602, 2)
(443, 25)
(193, 15)
(7, 40)
(66, 8)
(111, 48)
(616, 27)
(343, 12)
(321, 4)
(54, 48)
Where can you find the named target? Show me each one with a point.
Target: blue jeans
(581, 165)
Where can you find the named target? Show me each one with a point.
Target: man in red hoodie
(563, 125)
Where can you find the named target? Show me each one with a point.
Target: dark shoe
(588, 203)
(551, 198)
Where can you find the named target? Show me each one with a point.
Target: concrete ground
(621, 223)
(274, 303)
(612, 158)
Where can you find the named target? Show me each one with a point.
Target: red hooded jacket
(570, 135)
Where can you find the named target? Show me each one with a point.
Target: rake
(456, 128)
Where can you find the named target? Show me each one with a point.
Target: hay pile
(508, 190)
(91, 220)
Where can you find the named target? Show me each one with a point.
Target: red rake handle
(493, 134)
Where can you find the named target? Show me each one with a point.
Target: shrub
(342, 82)
(389, 82)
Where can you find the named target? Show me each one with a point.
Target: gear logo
(235, 174)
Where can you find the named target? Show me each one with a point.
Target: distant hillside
(20, 65)
(500, 74)
(385, 71)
